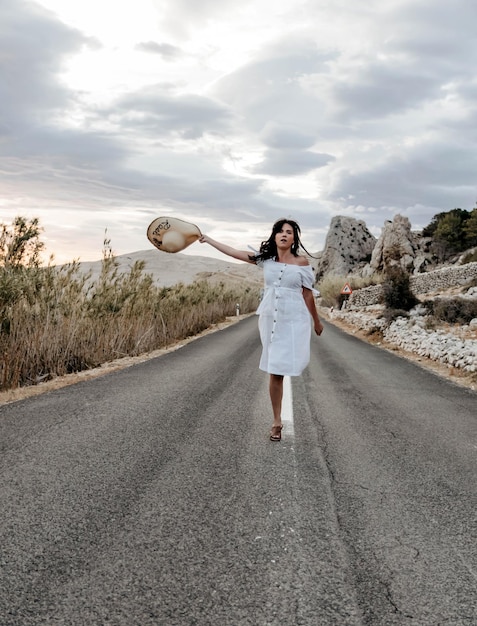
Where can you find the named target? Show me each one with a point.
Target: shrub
(397, 293)
(452, 310)
(20, 244)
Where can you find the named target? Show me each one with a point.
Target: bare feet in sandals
(276, 433)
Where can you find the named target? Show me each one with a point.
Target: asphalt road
(153, 496)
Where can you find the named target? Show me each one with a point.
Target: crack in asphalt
(392, 602)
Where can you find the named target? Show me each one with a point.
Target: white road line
(287, 409)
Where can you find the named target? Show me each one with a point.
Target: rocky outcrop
(348, 247)
(398, 246)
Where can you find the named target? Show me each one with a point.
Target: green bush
(397, 293)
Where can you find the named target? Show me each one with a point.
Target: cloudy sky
(233, 114)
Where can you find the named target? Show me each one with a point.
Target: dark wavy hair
(268, 248)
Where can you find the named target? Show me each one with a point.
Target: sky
(232, 115)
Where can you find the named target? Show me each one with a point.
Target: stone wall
(443, 278)
(427, 282)
(365, 297)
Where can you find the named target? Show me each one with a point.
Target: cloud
(156, 109)
(184, 17)
(190, 9)
(234, 114)
(380, 90)
(286, 136)
(435, 31)
(291, 162)
(33, 47)
(269, 89)
(432, 175)
(166, 50)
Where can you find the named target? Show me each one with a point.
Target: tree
(470, 229)
(20, 244)
(448, 231)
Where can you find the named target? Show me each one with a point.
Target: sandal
(276, 433)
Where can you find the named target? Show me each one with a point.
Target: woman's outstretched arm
(241, 255)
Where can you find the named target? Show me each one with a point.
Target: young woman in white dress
(287, 310)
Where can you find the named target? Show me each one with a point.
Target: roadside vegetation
(454, 310)
(330, 287)
(397, 295)
(56, 320)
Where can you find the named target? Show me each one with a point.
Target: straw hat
(171, 234)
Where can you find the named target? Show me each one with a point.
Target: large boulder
(398, 246)
(348, 247)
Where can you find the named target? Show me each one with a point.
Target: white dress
(285, 322)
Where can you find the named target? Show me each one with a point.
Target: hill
(170, 269)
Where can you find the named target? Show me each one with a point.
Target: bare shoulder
(303, 261)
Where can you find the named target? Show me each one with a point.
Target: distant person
(286, 309)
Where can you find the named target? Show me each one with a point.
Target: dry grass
(55, 321)
(331, 285)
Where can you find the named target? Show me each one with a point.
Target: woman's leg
(276, 395)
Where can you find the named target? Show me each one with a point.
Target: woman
(285, 309)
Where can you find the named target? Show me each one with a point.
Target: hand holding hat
(171, 234)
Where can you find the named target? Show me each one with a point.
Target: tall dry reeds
(56, 320)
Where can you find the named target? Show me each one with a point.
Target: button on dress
(284, 320)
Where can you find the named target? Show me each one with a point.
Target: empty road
(152, 495)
